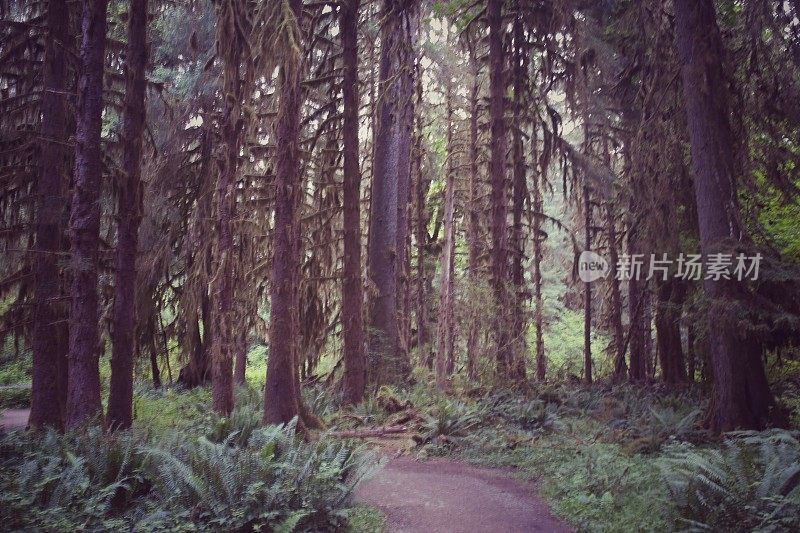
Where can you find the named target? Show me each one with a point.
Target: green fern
(751, 484)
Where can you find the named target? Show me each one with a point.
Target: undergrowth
(225, 475)
(611, 458)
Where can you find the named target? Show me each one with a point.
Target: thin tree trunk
(519, 192)
(538, 206)
(444, 347)
(637, 371)
(473, 228)
(497, 170)
(49, 331)
(691, 351)
(154, 356)
(421, 231)
(282, 387)
(647, 332)
(668, 333)
(83, 388)
(240, 365)
(616, 296)
(355, 364)
(120, 399)
(587, 293)
(742, 398)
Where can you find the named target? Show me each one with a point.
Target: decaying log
(364, 433)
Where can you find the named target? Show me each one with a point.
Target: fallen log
(364, 433)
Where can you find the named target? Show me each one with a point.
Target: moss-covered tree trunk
(742, 398)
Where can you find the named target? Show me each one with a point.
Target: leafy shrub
(15, 396)
(450, 418)
(273, 479)
(70, 482)
(321, 401)
(751, 484)
(669, 423)
(536, 416)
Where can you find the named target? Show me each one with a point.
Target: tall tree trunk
(355, 364)
(616, 295)
(83, 388)
(742, 398)
(445, 329)
(421, 185)
(224, 339)
(519, 192)
(668, 333)
(406, 110)
(587, 293)
(282, 389)
(49, 332)
(497, 170)
(473, 227)
(389, 190)
(198, 370)
(120, 399)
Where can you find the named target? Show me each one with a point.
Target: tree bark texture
(671, 295)
(83, 388)
(355, 364)
(389, 193)
(617, 329)
(120, 399)
(497, 171)
(519, 194)
(49, 336)
(742, 398)
(446, 324)
(587, 292)
(473, 226)
(282, 387)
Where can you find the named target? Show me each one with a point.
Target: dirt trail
(441, 495)
(14, 418)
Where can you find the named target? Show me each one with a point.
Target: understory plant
(178, 481)
(751, 483)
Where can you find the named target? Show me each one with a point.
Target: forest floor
(446, 495)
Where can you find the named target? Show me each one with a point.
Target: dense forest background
(240, 220)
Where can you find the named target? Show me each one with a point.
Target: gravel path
(441, 495)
